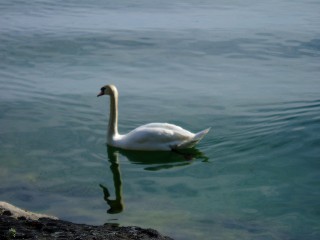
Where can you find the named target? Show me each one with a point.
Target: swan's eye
(102, 89)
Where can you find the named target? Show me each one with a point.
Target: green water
(249, 71)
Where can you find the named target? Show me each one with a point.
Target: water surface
(248, 70)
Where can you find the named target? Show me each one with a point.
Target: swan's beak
(100, 94)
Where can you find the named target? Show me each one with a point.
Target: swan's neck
(113, 119)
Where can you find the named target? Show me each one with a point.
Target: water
(248, 70)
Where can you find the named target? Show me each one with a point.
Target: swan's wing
(152, 137)
(167, 126)
(159, 136)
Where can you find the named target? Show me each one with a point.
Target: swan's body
(152, 136)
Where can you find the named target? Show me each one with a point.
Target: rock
(49, 228)
(7, 213)
(19, 213)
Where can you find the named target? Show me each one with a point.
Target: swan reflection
(116, 205)
(154, 161)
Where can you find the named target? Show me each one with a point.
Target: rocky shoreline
(16, 223)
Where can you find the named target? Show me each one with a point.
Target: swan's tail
(197, 138)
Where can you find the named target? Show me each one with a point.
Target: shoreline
(16, 223)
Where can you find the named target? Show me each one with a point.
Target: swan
(148, 137)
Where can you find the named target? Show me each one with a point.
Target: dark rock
(46, 228)
(6, 213)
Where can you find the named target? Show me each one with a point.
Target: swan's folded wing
(166, 126)
(160, 135)
(153, 137)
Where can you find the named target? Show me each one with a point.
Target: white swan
(149, 137)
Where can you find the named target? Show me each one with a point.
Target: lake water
(249, 70)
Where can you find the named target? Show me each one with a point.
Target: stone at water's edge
(34, 226)
(13, 211)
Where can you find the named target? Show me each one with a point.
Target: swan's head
(108, 90)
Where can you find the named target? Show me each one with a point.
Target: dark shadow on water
(161, 160)
(155, 161)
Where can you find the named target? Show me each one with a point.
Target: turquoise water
(248, 70)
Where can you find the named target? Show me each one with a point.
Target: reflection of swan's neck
(113, 120)
(116, 205)
(115, 169)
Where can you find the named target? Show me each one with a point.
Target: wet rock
(7, 213)
(48, 228)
